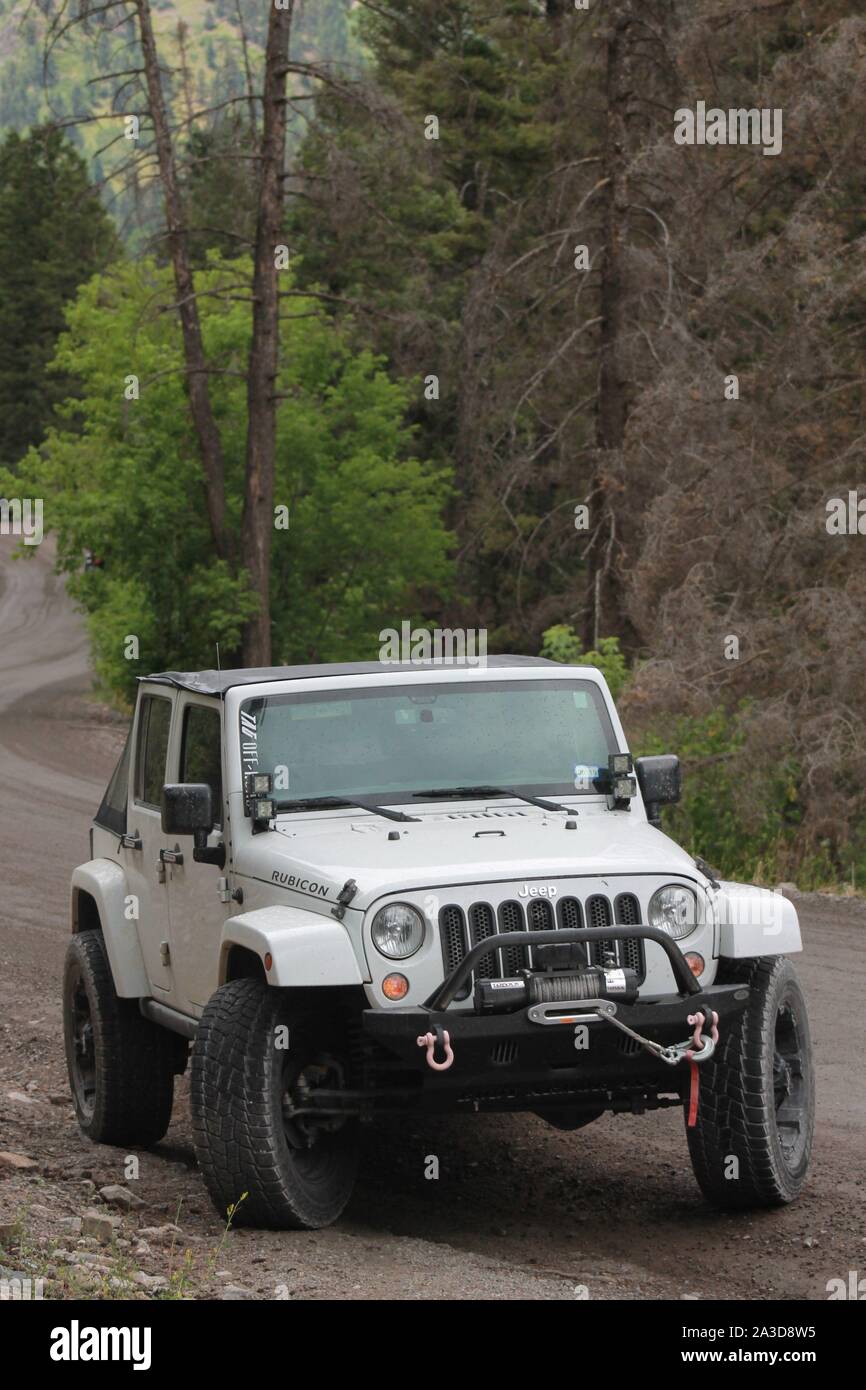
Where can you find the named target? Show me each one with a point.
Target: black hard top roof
(218, 682)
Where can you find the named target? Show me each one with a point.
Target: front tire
(121, 1066)
(258, 1155)
(757, 1095)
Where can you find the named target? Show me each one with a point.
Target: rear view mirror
(660, 782)
(187, 808)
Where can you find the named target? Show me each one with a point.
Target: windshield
(539, 736)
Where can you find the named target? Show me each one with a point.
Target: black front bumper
(509, 1061)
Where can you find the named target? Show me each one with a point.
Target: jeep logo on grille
(537, 890)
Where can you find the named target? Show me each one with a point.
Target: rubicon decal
(303, 885)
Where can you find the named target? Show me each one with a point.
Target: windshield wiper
(434, 793)
(326, 803)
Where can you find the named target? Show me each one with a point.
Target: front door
(140, 853)
(195, 911)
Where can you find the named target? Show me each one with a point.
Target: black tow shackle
(439, 1046)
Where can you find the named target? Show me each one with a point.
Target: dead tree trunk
(257, 527)
(210, 445)
(604, 615)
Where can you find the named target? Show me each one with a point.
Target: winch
(556, 987)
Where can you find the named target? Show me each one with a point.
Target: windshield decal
(249, 742)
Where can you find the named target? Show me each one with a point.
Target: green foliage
(365, 531)
(743, 820)
(219, 187)
(54, 234)
(561, 643)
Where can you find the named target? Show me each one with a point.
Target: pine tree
(54, 234)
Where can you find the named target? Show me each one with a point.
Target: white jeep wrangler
(361, 889)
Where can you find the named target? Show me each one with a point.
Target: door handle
(170, 856)
(131, 841)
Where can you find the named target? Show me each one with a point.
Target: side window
(200, 753)
(153, 726)
(112, 809)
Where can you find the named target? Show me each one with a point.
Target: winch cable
(696, 1049)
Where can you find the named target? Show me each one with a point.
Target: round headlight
(398, 930)
(674, 909)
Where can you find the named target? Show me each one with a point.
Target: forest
(319, 318)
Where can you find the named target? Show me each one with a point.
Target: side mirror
(187, 808)
(660, 781)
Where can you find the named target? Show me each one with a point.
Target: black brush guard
(450, 987)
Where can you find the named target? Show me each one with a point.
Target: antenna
(217, 645)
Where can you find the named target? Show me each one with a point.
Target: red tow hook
(699, 1043)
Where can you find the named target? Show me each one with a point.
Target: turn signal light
(395, 986)
(695, 962)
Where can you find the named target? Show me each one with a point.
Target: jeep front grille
(460, 931)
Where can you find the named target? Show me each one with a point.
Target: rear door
(140, 847)
(195, 911)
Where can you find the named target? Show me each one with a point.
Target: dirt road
(519, 1210)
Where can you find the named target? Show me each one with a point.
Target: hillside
(199, 40)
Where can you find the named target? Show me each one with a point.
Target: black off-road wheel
(121, 1066)
(263, 1150)
(753, 1138)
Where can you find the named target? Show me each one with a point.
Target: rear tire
(121, 1066)
(256, 1156)
(757, 1095)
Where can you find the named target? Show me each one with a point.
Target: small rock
(161, 1234)
(690, 1297)
(71, 1224)
(58, 1098)
(121, 1197)
(233, 1293)
(12, 1160)
(142, 1248)
(149, 1281)
(37, 1209)
(21, 1097)
(96, 1223)
(32, 1086)
(809, 1242)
